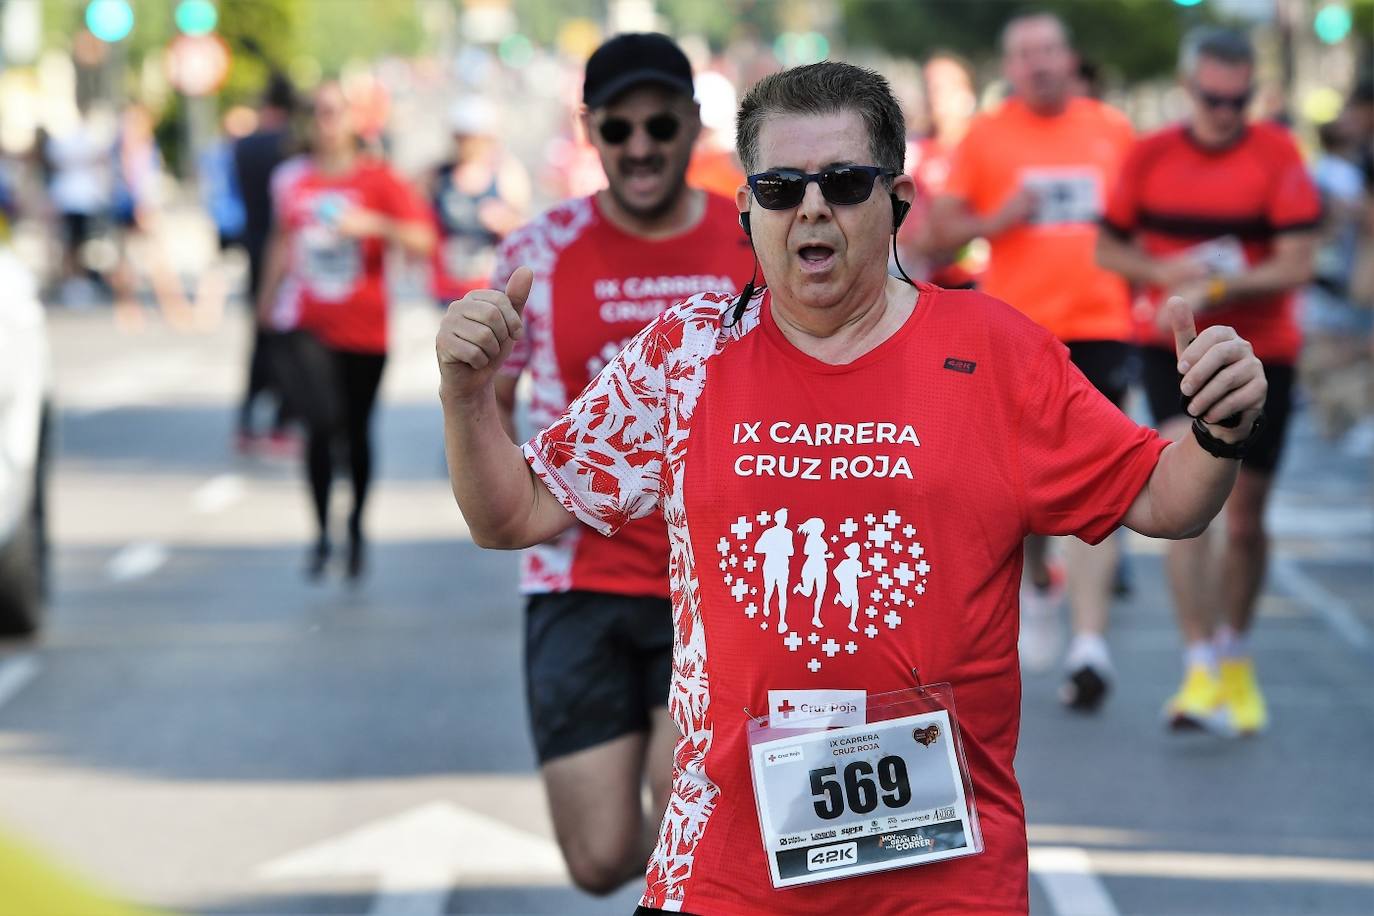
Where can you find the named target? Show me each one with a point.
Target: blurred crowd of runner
(1035, 190)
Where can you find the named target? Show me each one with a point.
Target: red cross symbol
(786, 708)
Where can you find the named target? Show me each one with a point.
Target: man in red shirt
(1031, 176)
(599, 628)
(904, 439)
(1221, 213)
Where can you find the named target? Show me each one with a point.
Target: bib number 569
(859, 788)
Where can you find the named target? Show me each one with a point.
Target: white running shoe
(1041, 636)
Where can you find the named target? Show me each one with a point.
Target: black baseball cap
(632, 59)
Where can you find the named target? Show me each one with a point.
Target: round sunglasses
(659, 127)
(781, 189)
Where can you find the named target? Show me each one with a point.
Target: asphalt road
(202, 730)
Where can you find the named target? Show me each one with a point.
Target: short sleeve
(1294, 203)
(1123, 204)
(1082, 461)
(604, 458)
(398, 199)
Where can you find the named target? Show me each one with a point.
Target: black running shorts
(596, 666)
(1108, 364)
(1160, 375)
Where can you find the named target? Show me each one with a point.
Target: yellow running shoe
(1241, 695)
(1198, 704)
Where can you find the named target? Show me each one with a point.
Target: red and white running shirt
(929, 459)
(595, 287)
(339, 281)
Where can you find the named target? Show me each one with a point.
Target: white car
(25, 405)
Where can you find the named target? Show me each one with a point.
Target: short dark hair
(1332, 136)
(1363, 93)
(1215, 43)
(820, 89)
(280, 93)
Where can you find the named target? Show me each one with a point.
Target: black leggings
(334, 392)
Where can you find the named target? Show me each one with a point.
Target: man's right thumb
(518, 287)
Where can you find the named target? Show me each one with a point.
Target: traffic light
(196, 17)
(1187, 2)
(110, 20)
(1332, 23)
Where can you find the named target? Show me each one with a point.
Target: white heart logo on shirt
(854, 581)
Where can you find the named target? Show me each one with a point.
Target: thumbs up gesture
(477, 333)
(1222, 377)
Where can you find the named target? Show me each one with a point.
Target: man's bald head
(1038, 61)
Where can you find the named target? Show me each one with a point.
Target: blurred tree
(263, 35)
(720, 23)
(1099, 30)
(335, 32)
(540, 20)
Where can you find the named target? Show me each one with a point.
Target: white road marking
(15, 674)
(1205, 866)
(136, 560)
(128, 383)
(1332, 609)
(420, 855)
(1066, 875)
(1291, 520)
(217, 494)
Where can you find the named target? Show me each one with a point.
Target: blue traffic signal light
(196, 17)
(110, 20)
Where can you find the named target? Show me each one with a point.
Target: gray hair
(820, 89)
(1215, 43)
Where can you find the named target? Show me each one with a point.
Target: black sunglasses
(781, 189)
(660, 127)
(1234, 102)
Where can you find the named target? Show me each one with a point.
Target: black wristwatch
(1220, 447)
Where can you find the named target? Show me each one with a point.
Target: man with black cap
(599, 632)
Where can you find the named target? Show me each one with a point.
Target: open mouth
(642, 176)
(816, 257)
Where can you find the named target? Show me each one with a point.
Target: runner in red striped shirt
(1223, 213)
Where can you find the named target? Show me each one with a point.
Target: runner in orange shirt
(1031, 177)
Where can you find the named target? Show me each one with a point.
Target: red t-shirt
(931, 457)
(1047, 267)
(341, 283)
(595, 287)
(1175, 195)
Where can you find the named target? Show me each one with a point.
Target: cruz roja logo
(832, 856)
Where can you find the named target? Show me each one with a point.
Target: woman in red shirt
(338, 211)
